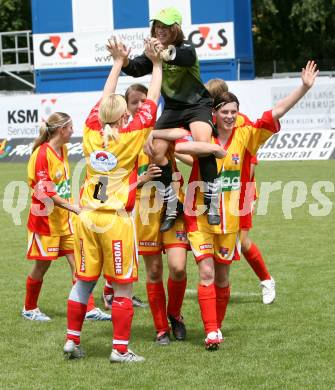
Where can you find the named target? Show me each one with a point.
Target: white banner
(87, 49)
(302, 135)
(299, 145)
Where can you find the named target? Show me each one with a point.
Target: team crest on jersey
(224, 251)
(181, 235)
(58, 174)
(103, 161)
(236, 158)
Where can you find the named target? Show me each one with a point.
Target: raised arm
(119, 52)
(154, 89)
(308, 76)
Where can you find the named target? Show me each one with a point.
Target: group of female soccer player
(118, 178)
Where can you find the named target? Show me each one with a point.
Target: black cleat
(213, 219)
(178, 328)
(163, 338)
(167, 223)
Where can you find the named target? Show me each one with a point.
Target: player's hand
(149, 146)
(219, 152)
(151, 52)
(157, 44)
(309, 74)
(117, 49)
(152, 172)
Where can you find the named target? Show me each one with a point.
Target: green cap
(168, 16)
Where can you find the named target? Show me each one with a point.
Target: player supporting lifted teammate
(187, 104)
(215, 247)
(104, 239)
(151, 242)
(250, 251)
(50, 233)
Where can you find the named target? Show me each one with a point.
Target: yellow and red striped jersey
(241, 146)
(48, 175)
(111, 172)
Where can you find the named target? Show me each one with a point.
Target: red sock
(108, 290)
(255, 259)
(123, 312)
(222, 299)
(75, 317)
(207, 303)
(157, 303)
(33, 288)
(90, 303)
(176, 292)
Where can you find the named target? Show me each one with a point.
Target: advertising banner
(87, 49)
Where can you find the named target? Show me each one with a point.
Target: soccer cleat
(137, 302)
(220, 335)
(128, 357)
(97, 315)
(268, 291)
(163, 338)
(107, 300)
(178, 328)
(35, 315)
(212, 341)
(72, 350)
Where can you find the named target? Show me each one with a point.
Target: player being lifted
(187, 104)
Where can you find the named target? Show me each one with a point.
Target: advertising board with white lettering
(88, 49)
(307, 131)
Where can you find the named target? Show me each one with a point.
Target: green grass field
(286, 345)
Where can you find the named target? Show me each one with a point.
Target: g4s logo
(199, 37)
(48, 47)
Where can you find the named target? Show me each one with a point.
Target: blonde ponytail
(111, 109)
(110, 133)
(49, 128)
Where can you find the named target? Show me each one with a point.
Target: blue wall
(50, 16)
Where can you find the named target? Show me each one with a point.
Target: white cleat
(128, 357)
(97, 315)
(212, 341)
(220, 336)
(35, 315)
(72, 350)
(268, 291)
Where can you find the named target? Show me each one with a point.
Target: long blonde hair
(111, 109)
(49, 128)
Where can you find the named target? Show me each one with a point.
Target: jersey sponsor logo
(118, 256)
(205, 246)
(103, 161)
(223, 251)
(230, 180)
(149, 243)
(82, 257)
(235, 158)
(181, 235)
(53, 249)
(63, 189)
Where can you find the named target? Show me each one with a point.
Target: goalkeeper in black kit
(188, 104)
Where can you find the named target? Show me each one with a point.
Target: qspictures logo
(4, 149)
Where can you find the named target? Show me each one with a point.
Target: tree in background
(15, 15)
(290, 31)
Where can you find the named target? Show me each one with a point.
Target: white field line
(190, 291)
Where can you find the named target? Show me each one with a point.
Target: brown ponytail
(49, 128)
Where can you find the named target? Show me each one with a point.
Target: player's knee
(177, 273)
